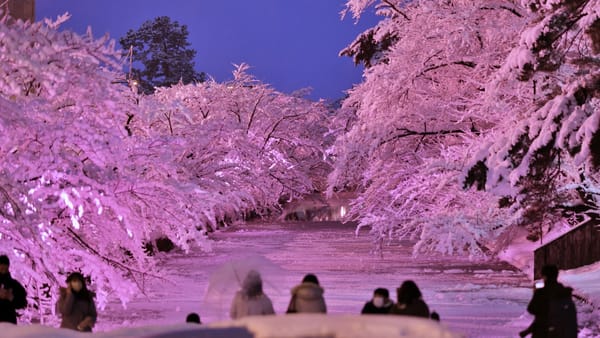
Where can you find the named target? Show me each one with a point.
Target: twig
(395, 9)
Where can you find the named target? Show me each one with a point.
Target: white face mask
(76, 285)
(378, 301)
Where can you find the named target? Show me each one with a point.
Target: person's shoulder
(396, 309)
(564, 291)
(296, 288)
(313, 286)
(541, 292)
(15, 282)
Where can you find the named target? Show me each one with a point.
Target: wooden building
(19, 9)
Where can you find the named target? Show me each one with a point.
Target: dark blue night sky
(289, 44)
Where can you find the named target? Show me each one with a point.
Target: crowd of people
(551, 304)
(307, 297)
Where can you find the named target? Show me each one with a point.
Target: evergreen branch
(395, 9)
(469, 64)
(405, 132)
(512, 10)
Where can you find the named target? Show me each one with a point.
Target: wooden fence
(578, 247)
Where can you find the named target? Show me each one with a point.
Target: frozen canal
(478, 299)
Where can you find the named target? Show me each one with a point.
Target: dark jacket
(307, 297)
(370, 308)
(539, 306)
(77, 310)
(417, 308)
(8, 308)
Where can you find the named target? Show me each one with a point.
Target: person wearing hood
(12, 294)
(307, 297)
(250, 300)
(410, 301)
(380, 304)
(76, 305)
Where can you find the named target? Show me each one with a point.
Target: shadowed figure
(553, 308)
(12, 294)
(410, 301)
(193, 318)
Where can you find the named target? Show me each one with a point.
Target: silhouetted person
(307, 297)
(250, 300)
(410, 301)
(553, 308)
(193, 318)
(379, 304)
(76, 305)
(12, 294)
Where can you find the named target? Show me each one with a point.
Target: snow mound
(283, 326)
(339, 326)
(167, 331)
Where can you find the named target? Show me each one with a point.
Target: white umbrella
(227, 279)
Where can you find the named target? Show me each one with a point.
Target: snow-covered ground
(474, 299)
(477, 299)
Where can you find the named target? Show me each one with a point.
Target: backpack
(562, 318)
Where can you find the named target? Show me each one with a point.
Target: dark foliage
(160, 46)
(477, 176)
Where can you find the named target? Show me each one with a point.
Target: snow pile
(339, 326)
(174, 331)
(288, 326)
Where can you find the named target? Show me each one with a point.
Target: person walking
(379, 304)
(76, 304)
(251, 300)
(12, 294)
(410, 301)
(307, 297)
(553, 308)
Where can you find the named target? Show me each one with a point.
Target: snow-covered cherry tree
(418, 109)
(241, 139)
(63, 184)
(93, 172)
(543, 161)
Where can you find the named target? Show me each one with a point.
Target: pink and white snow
(474, 299)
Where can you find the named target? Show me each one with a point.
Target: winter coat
(539, 306)
(417, 308)
(307, 297)
(7, 307)
(370, 308)
(244, 305)
(76, 310)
